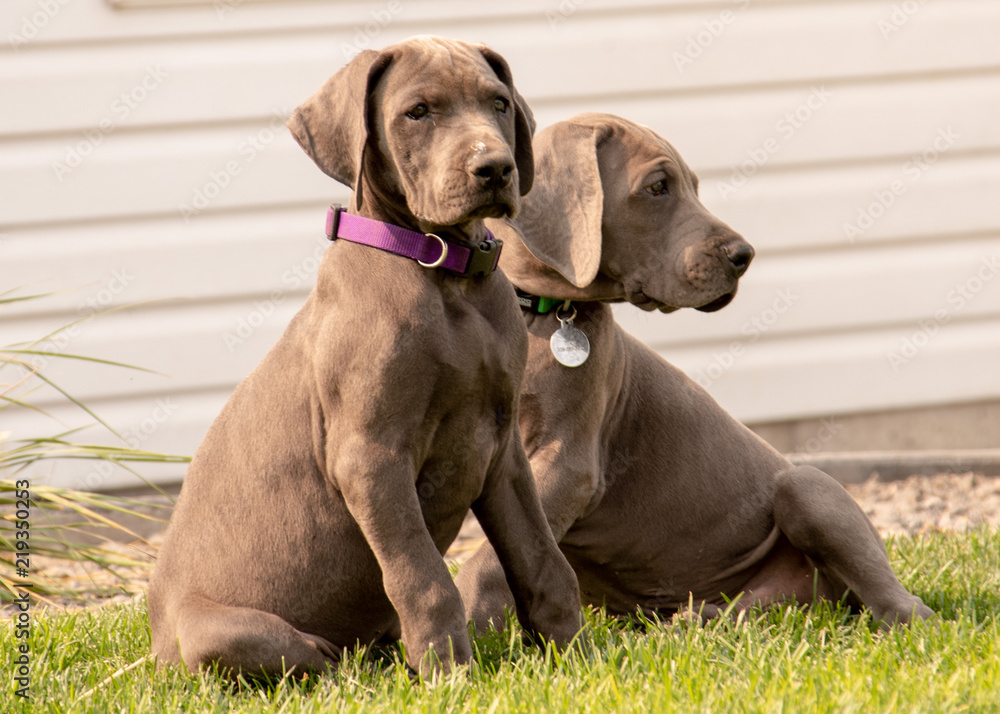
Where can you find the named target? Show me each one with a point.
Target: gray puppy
(657, 496)
(315, 513)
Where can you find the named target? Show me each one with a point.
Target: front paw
(556, 614)
(484, 591)
(326, 648)
(910, 608)
(441, 656)
(438, 638)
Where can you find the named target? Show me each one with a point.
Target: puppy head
(429, 123)
(615, 210)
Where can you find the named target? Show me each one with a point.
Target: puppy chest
(479, 383)
(447, 486)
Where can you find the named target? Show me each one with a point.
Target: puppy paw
(696, 613)
(903, 613)
(326, 648)
(442, 658)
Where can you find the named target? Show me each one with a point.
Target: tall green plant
(24, 365)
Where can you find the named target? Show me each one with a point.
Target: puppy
(315, 513)
(657, 496)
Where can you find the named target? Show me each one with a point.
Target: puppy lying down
(656, 495)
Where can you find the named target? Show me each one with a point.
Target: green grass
(783, 659)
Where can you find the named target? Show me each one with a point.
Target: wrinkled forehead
(454, 66)
(650, 145)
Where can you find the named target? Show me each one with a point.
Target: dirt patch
(946, 502)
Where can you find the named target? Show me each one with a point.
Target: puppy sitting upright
(315, 513)
(656, 495)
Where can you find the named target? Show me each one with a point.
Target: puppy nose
(739, 253)
(492, 170)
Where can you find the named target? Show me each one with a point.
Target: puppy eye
(657, 189)
(418, 112)
(501, 104)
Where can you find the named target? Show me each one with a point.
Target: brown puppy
(655, 493)
(315, 513)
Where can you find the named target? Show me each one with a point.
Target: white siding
(211, 83)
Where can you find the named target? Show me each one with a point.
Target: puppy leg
(545, 591)
(821, 519)
(483, 586)
(248, 641)
(565, 484)
(378, 488)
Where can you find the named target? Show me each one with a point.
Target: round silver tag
(569, 345)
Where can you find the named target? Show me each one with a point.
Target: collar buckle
(333, 221)
(537, 304)
(483, 258)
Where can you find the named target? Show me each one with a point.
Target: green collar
(537, 304)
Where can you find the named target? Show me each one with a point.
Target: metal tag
(569, 345)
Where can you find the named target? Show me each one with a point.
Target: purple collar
(464, 259)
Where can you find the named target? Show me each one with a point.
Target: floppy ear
(332, 125)
(561, 217)
(524, 120)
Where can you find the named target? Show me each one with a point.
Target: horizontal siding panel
(858, 121)
(234, 167)
(598, 54)
(879, 288)
(215, 257)
(800, 43)
(851, 123)
(789, 44)
(189, 347)
(779, 380)
(100, 22)
(226, 79)
(167, 423)
(798, 210)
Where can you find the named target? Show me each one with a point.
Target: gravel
(944, 502)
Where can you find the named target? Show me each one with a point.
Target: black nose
(492, 170)
(740, 253)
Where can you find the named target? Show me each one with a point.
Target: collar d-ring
(442, 257)
(568, 305)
